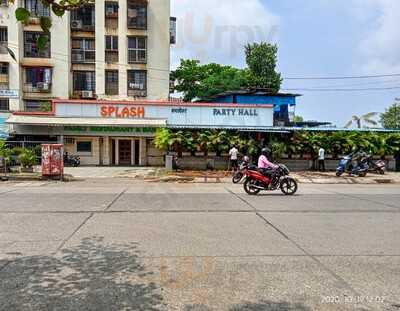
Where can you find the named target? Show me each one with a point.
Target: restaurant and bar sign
(176, 115)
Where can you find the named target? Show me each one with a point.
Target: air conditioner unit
(87, 94)
(76, 25)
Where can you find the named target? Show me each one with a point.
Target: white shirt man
(321, 154)
(321, 159)
(233, 154)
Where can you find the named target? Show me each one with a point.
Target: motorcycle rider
(264, 165)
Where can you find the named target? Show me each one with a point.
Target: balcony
(83, 56)
(137, 14)
(4, 81)
(37, 10)
(112, 88)
(137, 93)
(83, 19)
(84, 95)
(3, 47)
(112, 56)
(39, 87)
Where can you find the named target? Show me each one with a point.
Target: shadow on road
(90, 276)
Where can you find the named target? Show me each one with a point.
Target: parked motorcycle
(346, 165)
(279, 178)
(376, 166)
(72, 160)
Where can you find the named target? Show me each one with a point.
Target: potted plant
(28, 159)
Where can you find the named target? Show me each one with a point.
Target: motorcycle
(279, 178)
(74, 161)
(346, 165)
(376, 166)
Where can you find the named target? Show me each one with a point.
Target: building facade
(117, 50)
(104, 132)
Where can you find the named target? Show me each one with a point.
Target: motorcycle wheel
(237, 177)
(289, 186)
(363, 174)
(381, 171)
(248, 187)
(339, 173)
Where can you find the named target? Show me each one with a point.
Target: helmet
(266, 152)
(246, 159)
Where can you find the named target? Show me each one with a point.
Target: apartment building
(117, 50)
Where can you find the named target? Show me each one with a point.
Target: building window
(137, 49)
(84, 147)
(84, 81)
(111, 77)
(111, 9)
(38, 80)
(30, 46)
(172, 30)
(137, 15)
(111, 12)
(4, 78)
(3, 2)
(34, 105)
(83, 51)
(3, 68)
(83, 18)
(137, 83)
(3, 40)
(4, 104)
(111, 49)
(37, 8)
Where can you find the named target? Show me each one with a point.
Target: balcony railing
(112, 88)
(4, 79)
(39, 87)
(83, 56)
(137, 93)
(112, 56)
(3, 47)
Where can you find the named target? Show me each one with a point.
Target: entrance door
(136, 155)
(125, 152)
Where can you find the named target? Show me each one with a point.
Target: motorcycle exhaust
(258, 187)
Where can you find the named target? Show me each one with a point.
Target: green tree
(27, 158)
(298, 119)
(391, 118)
(261, 59)
(5, 152)
(201, 81)
(364, 119)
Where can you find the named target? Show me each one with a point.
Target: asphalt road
(117, 244)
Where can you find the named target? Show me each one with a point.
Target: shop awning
(54, 121)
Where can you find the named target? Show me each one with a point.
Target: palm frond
(349, 124)
(369, 121)
(369, 115)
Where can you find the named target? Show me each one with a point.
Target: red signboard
(52, 160)
(122, 112)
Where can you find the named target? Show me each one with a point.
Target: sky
(316, 38)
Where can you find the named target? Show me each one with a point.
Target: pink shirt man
(264, 163)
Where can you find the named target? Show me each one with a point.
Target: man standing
(321, 159)
(233, 154)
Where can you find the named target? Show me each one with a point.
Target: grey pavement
(121, 244)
